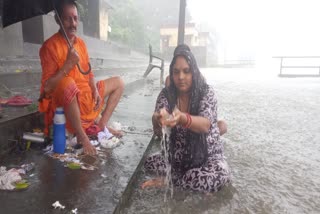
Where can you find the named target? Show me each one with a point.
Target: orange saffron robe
(53, 55)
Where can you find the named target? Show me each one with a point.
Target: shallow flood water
(272, 147)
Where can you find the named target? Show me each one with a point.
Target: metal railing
(314, 65)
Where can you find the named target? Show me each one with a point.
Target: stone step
(117, 63)
(17, 65)
(26, 77)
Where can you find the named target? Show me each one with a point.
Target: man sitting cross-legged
(63, 85)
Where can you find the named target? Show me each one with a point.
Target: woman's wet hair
(182, 47)
(198, 81)
(196, 145)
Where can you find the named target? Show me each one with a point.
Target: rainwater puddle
(272, 147)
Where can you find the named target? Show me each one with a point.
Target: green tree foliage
(127, 24)
(137, 22)
(83, 10)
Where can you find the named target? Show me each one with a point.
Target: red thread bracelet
(189, 120)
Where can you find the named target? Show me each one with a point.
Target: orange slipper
(156, 182)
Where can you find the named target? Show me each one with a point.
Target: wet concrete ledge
(133, 182)
(88, 191)
(298, 75)
(13, 129)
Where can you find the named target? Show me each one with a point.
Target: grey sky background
(263, 27)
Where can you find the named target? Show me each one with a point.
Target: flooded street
(272, 147)
(272, 144)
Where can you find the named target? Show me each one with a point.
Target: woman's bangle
(188, 123)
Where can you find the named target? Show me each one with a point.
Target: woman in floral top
(195, 148)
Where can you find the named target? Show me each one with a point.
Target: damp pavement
(95, 191)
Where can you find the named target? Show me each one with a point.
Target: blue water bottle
(59, 131)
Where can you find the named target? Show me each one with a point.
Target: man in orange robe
(63, 85)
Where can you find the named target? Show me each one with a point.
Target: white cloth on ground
(107, 140)
(105, 134)
(8, 178)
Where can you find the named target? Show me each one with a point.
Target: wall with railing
(299, 66)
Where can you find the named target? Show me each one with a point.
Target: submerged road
(271, 146)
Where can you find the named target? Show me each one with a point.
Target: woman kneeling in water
(195, 148)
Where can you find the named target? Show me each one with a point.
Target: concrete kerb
(125, 197)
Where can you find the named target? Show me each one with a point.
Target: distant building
(200, 43)
(96, 24)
